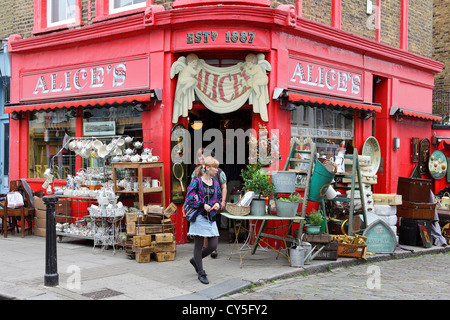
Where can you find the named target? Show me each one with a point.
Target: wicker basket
(237, 210)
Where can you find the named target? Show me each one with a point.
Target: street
(419, 278)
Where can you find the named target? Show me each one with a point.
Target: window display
(327, 127)
(107, 121)
(48, 130)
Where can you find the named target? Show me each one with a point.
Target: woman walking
(204, 193)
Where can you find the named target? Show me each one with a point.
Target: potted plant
(314, 219)
(257, 180)
(288, 206)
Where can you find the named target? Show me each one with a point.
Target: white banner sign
(222, 90)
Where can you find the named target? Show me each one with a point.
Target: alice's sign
(128, 74)
(325, 79)
(222, 90)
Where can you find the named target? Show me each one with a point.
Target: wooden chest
(416, 190)
(416, 210)
(329, 252)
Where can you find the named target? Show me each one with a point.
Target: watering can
(309, 252)
(302, 254)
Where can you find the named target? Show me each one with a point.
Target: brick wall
(17, 17)
(441, 43)
(420, 28)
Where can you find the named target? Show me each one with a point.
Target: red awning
(414, 114)
(297, 97)
(80, 103)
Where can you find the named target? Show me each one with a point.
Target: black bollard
(51, 277)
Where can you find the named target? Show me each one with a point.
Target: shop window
(325, 126)
(48, 132)
(110, 121)
(124, 5)
(52, 15)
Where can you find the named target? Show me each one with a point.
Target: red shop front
(200, 66)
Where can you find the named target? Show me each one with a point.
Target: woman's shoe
(214, 254)
(202, 277)
(192, 261)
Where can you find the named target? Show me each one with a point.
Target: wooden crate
(142, 241)
(352, 250)
(170, 210)
(140, 230)
(164, 238)
(131, 217)
(329, 252)
(416, 210)
(164, 247)
(165, 256)
(142, 258)
(143, 250)
(317, 238)
(131, 228)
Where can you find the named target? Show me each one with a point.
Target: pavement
(90, 273)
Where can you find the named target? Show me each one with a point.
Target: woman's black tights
(200, 252)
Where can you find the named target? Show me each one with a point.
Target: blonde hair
(207, 162)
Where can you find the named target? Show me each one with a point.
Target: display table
(237, 227)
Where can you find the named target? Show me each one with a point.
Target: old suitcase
(411, 189)
(416, 210)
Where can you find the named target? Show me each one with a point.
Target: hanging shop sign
(222, 90)
(102, 77)
(320, 78)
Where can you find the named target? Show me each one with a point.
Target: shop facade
(253, 66)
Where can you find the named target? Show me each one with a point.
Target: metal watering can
(302, 253)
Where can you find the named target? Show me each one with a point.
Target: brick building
(18, 18)
(335, 71)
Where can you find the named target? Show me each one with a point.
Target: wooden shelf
(139, 166)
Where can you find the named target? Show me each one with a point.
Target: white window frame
(126, 8)
(60, 22)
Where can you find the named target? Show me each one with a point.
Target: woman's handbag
(192, 213)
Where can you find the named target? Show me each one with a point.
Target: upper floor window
(60, 12)
(53, 15)
(124, 5)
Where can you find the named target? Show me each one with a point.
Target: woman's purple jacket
(195, 195)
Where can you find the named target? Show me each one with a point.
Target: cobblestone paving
(423, 277)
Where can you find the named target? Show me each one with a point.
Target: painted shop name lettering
(331, 79)
(230, 37)
(80, 79)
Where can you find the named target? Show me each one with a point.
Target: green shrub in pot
(257, 180)
(314, 221)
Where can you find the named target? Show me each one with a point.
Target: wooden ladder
(355, 184)
(303, 175)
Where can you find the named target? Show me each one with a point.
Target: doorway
(233, 156)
